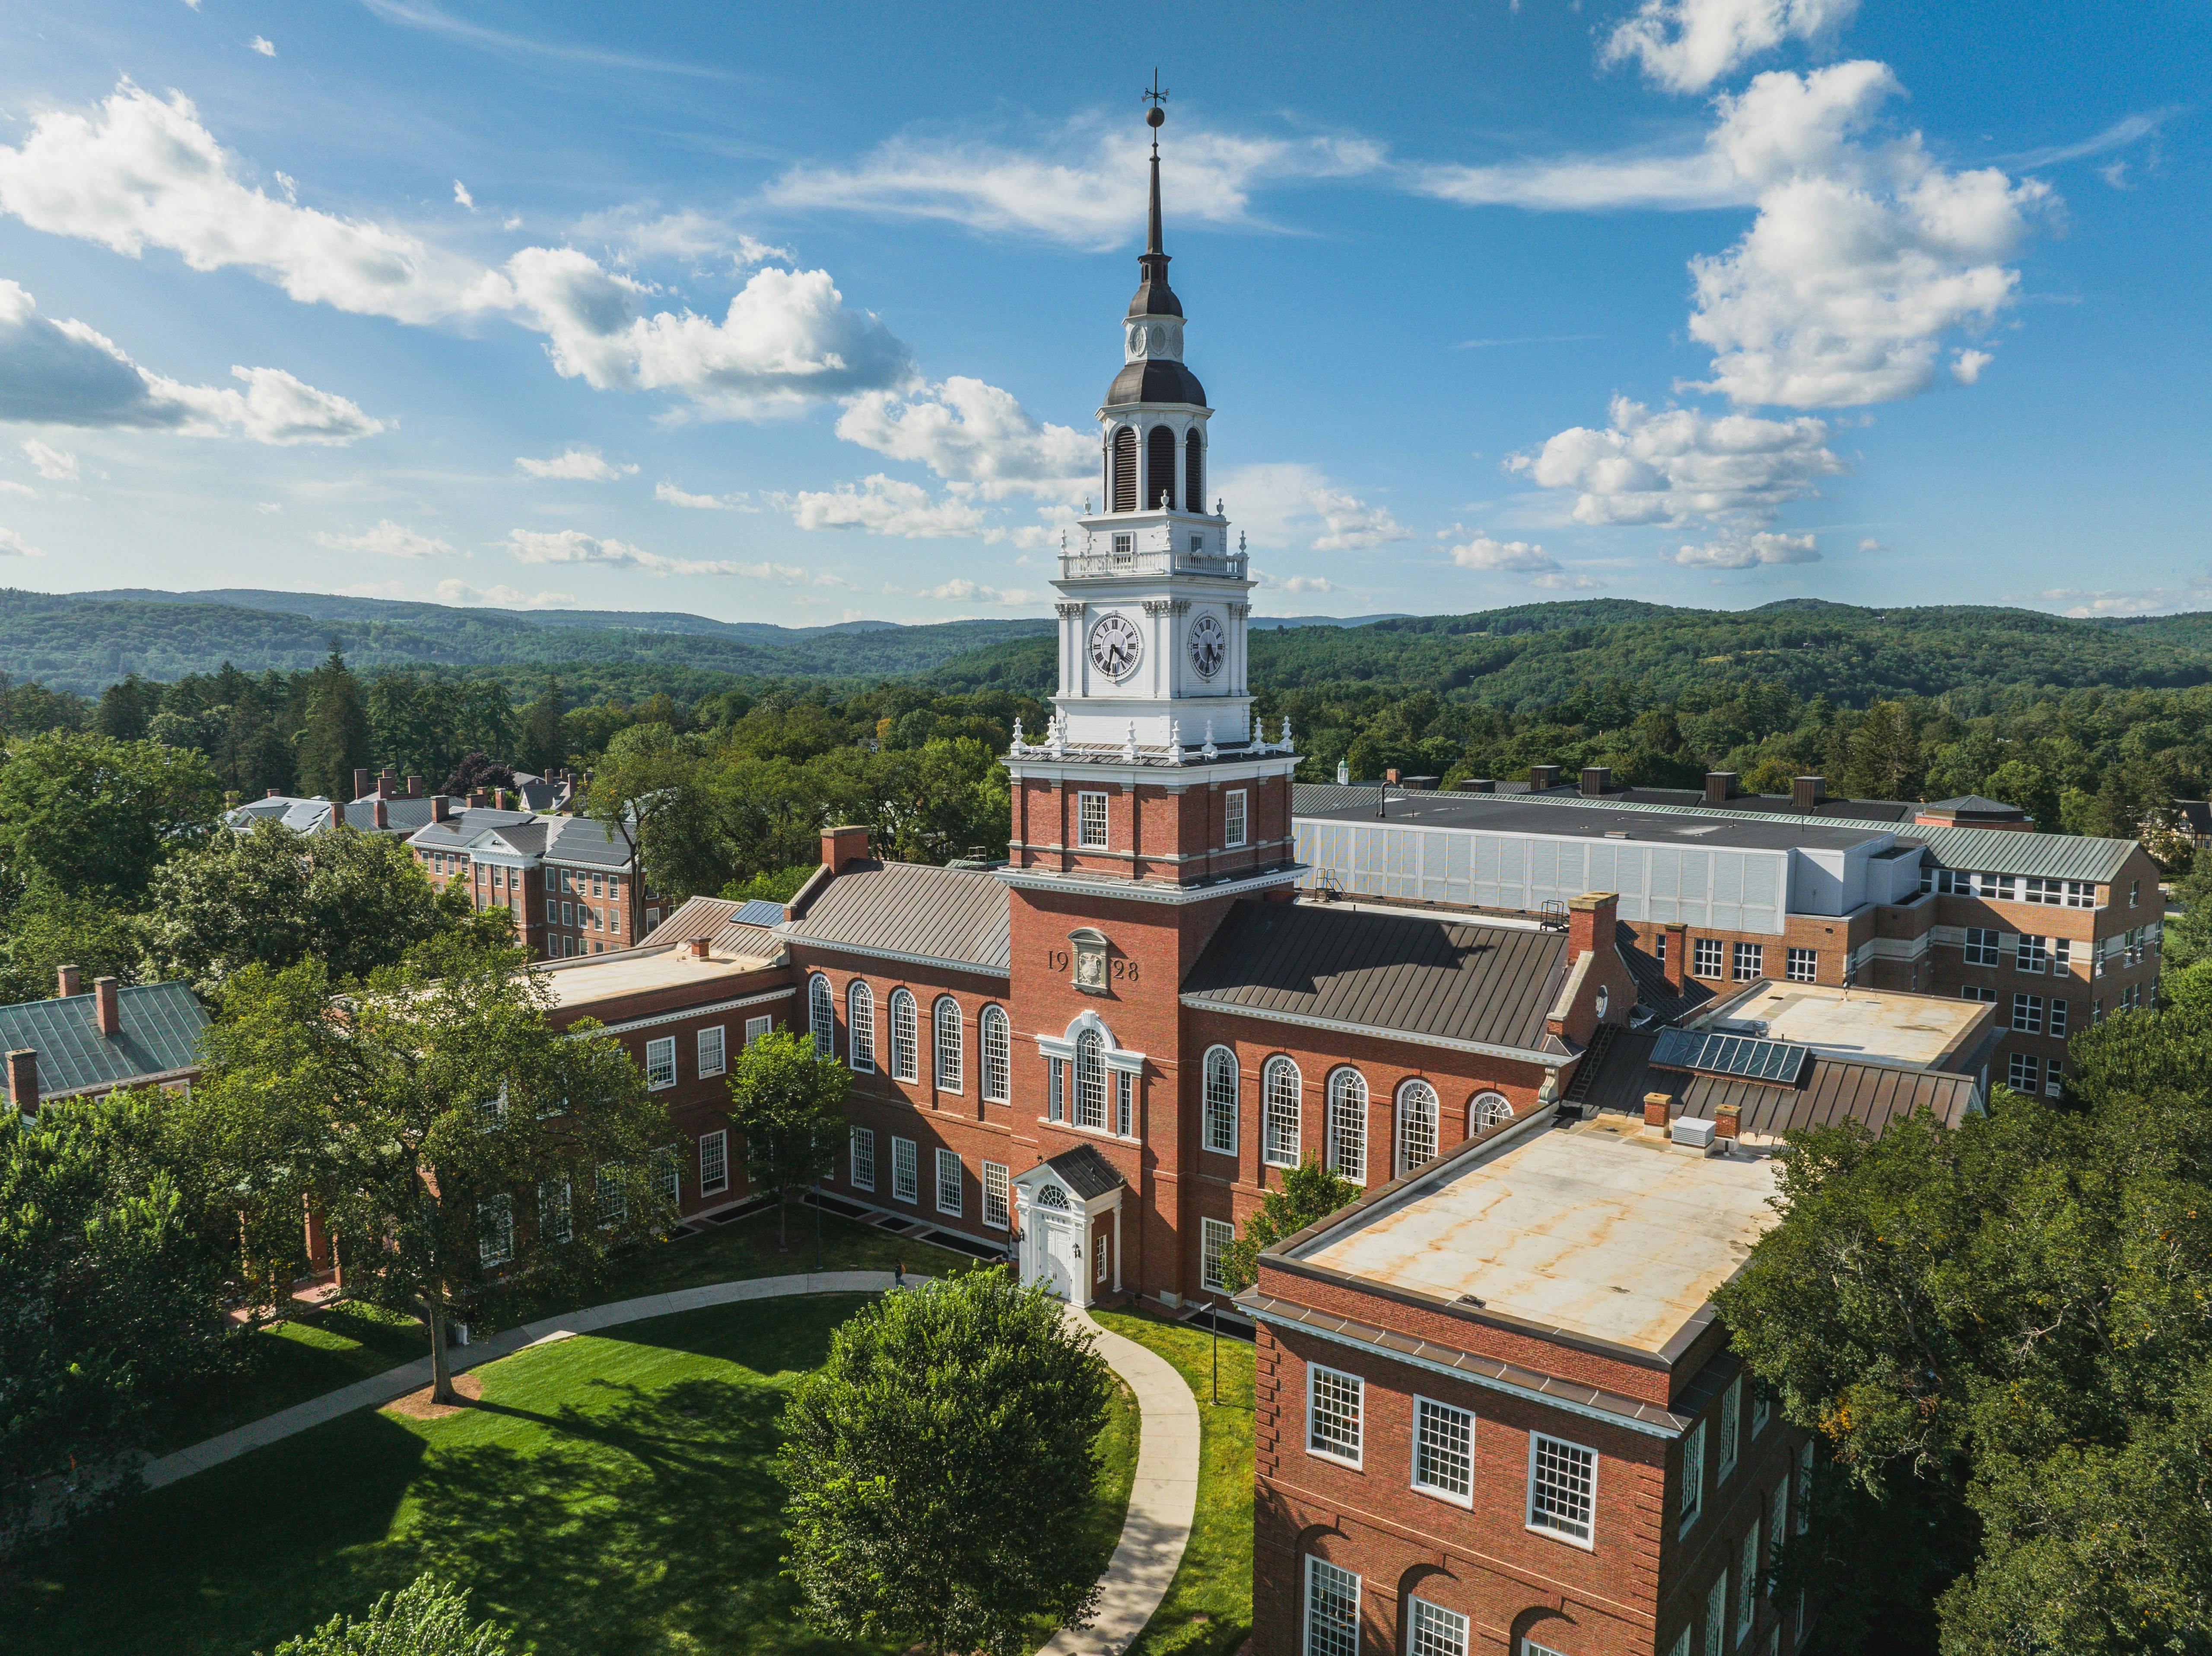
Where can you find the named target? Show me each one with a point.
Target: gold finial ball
(1156, 116)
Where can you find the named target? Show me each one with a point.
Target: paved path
(1162, 1498)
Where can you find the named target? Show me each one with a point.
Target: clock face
(1136, 342)
(1115, 647)
(1209, 646)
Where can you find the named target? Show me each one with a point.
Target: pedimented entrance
(1070, 1218)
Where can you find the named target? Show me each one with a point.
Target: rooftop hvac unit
(1690, 1130)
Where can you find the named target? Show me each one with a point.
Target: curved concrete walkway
(1162, 1498)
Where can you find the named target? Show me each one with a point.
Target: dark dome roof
(1155, 379)
(1153, 297)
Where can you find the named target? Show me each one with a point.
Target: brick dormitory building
(1554, 1034)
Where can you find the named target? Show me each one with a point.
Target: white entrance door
(1051, 1254)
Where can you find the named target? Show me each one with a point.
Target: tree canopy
(789, 1103)
(1308, 1194)
(427, 1617)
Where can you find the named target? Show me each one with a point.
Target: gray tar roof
(1405, 974)
(161, 1025)
(1590, 819)
(1831, 1091)
(911, 911)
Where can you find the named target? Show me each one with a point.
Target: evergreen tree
(335, 743)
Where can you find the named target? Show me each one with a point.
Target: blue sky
(802, 314)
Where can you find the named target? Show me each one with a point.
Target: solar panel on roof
(1747, 1055)
(758, 912)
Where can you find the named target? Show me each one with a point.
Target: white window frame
(1344, 1132)
(906, 1037)
(2031, 953)
(495, 1232)
(860, 1026)
(1434, 1630)
(1423, 1409)
(1213, 1240)
(1708, 959)
(1125, 1104)
(1218, 1102)
(1090, 1098)
(1090, 823)
(1980, 991)
(714, 1050)
(1690, 1499)
(660, 1063)
(860, 1159)
(1234, 819)
(2023, 1073)
(1587, 1541)
(2054, 1075)
(1762, 1408)
(951, 1159)
(1487, 1108)
(822, 1015)
(906, 1172)
(2054, 1012)
(1282, 1112)
(1401, 1115)
(555, 1211)
(1747, 1583)
(998, 1197)
(2026, 1014)
(1748, 962)
(1717, 1608)
(1728, 1448)
(1323, 1448)
(995, 1036)
(714, 1161)
(1804, 965)
(1325, 1581)
(948, 1053)
(1982, 945)
(755, 1028)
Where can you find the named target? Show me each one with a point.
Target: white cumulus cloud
(2085, 603)
(1686, 45)
(504, 598)
(967, 431)
(1679, 465)
(968, 592)
(1747, 551)
(1483, 552)
(387, 540)
(882, 506)
(1558, 581)
(261, 44)
(671, 495)
(13, 545)
(55, 465)
(574, 465)
(573, 546)
(462, 196)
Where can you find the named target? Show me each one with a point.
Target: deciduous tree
(427, 1617)
(789, 1103)
(96, 817)
(1310, 1194)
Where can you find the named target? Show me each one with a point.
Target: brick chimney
(383, 811)
(1677, 954)
(387, 784)
(107, 1006)
(437, 807)
(1542, 777)
(478, 800)
(1391, 776)
(698, 949)
(1590, 920)
(337, 815)
(499, 798)
(360, 781)
(414, 787)
(1596, 779)
(23, 1080)
(1658, 1108)
(1728, 1120)
(70, 981)
(841, 846)
(274, 793)
(1806, 794)
(1720, 787)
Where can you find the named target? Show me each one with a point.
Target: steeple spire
(1154, 296)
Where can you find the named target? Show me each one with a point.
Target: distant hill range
(1528, 656)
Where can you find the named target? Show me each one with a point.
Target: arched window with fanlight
(1194, 471)
(905, 1037)
(1220, 1112)
(1090, 1080)
(1417, 1126)
(822, 1015)
(1348, 1125)
(945, 1044)
(1486, 1110)
(1282, 1094)
(1125, 469)
(860, 1026)
(997, 1054)
(1160, 468)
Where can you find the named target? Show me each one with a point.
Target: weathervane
(1154, 116)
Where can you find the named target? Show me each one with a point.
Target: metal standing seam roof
(1410, 974)
(159, 1035)
(1833, 1090)
(912, 910)
(584, 840)
(1083, 1171)
(716, 919)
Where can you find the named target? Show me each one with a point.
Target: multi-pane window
(1561, 1487)
(1444, 1449)
(997, 1205)
(997, 1050)
(1980, 991)
(495, 1230)
(1762, 1405)
(2024, 1072)
(1090, 821)
(2027, 1014)
(906, 1038)
(1804, 966)
(711, 1061)
(2031, 953)
(1748, 959)
(1731, 1419)
(1982, 946)
(860, 1025)
(1055, 1090)
(660, 1063)
(2054, 1076)
(1708, 958)
(1124, 1102)
(1437, 1631)
(1090, 1081)
(860, 1156)
(1417, 1125)
(1213, 1240)
(1659, 947)
(713, 1162)
(554, 1221)
(1691, 1501)
(1334, 1402)
(1220, 1102)
(611, 1196)
(906, 1171)
(755, 1028)
(1487, 1110)
(945, 1043)
(1778, 1510)
(2071, 893)
(1332, 1610)
(949, 1195)
(2058, 1017)
(1348, 1125)
(821, 1017)
(1232, 818)
(1281, 1091)
(1717, 1600)
(1747, 1581)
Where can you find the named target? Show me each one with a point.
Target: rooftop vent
(1692, 1130)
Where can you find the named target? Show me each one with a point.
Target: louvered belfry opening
(1160, 467)
(1125, 469)
(1194, 472)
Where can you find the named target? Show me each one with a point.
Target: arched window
(1194, 471)
(1125, 468)
(1280, 1091)
(821, 1017)
(860, 1025)
(1159, 468)
(1348, 1125)
(1487, 1110)
(1417, 1126)
(1051, 1196)
(1089, 1080)
(905, 1037)
(998, 1053)
(946, 1043)
(1221, 1101)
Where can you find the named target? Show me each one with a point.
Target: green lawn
(611, 1495)
(306, 1356)
(1208, 1608)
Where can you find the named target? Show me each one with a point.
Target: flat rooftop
(590, 978)
(1591, 1229)
(1580, 819)
(1872, 1026)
